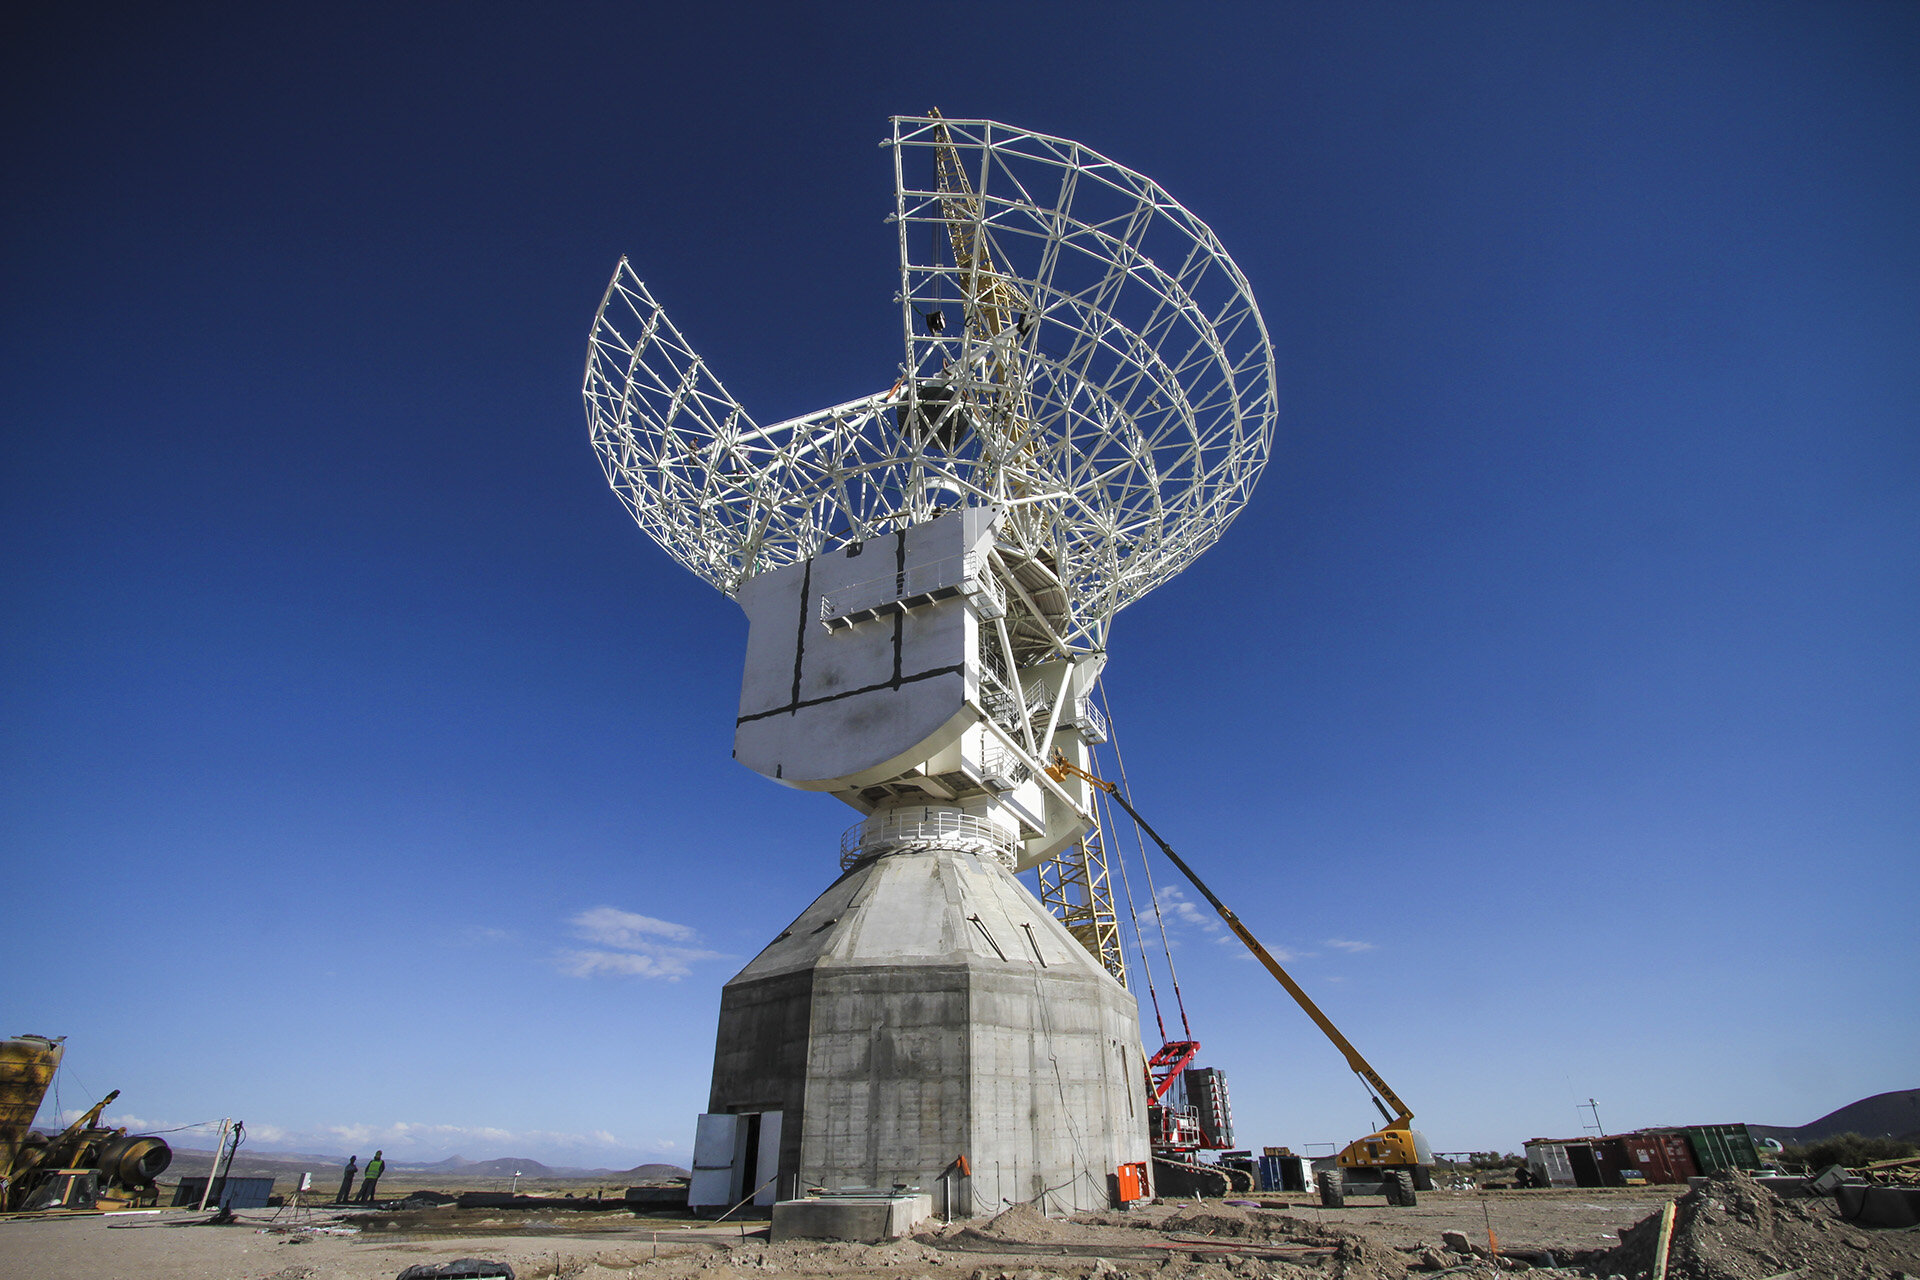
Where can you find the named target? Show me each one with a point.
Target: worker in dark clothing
(375, 1167)
(346, 1180)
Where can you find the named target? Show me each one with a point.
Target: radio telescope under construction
(1085, 400)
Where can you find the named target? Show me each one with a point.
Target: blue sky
(364, 771)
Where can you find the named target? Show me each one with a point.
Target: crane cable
(1173, 974)
(1105, 813)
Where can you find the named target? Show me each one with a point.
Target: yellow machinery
(85, 1165)
(1395, 1161)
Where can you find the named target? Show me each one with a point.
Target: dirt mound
(1356, 1255)
(1736, 1229)
(792, 1258)
(1257, 1226)
(835, 1256)
(1224, 1220)
(1023, 1224)
(1244, 1269)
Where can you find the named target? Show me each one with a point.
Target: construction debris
(459, 1269)
(1733, 1228)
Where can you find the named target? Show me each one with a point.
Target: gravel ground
(163, 1247)
(1560, 1220)
(1734, 1231)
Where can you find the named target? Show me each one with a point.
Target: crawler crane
(1394, 1161)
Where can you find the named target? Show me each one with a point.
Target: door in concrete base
(717, 1142)
(735, 1156)
(765, 1142)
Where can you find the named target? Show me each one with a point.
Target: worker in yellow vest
(369, 1176)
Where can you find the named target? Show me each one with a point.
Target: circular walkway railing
(924, 827)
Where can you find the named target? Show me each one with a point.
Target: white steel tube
(219, 1146)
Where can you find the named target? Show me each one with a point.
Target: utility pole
(219, 1145)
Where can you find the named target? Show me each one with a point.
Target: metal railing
(1089, 720)
(929, 827)
(1001, 767)
(1000, 705)
(968, 574)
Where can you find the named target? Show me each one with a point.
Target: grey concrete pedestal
(924, 1008)
(870, 1219)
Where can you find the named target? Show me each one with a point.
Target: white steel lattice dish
(1079, 349)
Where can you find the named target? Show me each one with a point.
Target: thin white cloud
(1184, 910)
(671, 963)
(1280, 954)
(425, 1143)
(399, 1136)
(1349, 945)
(111, 1116)
(612, 927)
(631, 946)
(406, 1135)
(409, 1140)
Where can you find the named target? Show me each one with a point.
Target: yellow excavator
(1395, 1161)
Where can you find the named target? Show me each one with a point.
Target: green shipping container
(1720, 1147)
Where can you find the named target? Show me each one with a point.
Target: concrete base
(1870, 1206)
(927, 1007)
(869, 1219)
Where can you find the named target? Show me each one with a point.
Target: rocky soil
(1733, 1230)
(1737, 1229)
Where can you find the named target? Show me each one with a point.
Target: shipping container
(1680, 1156)
(1547, 1157)
(1286, 1173)
(1660, 1157)
(1567, 1162)
(1614, 1161)
(1586, 1168)
(1719, 1147)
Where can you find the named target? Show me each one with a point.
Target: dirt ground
(1735, 1230)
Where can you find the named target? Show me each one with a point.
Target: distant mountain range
(1888, 1115)
(256, 1162)
(507, 1167)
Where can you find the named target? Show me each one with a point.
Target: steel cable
(1173, 975)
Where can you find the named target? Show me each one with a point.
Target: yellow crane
(1397, 1156)
(985, 389)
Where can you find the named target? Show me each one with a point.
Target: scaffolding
(1075, 888)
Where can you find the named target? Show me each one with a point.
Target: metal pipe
(219, 1146)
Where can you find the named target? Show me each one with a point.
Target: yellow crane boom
(1401, 1117)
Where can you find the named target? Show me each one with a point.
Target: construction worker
(370, 1176)
(346, 1181)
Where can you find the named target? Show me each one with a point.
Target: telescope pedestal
(926, 1007)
